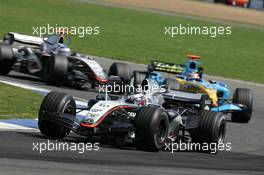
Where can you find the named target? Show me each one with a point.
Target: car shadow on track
(75, 138)
(223, 160)
(29, 79)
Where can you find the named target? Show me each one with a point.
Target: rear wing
(24, 39)
(167, 67)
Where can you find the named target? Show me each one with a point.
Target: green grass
(16, 102)
(138, 36)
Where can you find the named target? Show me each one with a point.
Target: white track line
(8, 126)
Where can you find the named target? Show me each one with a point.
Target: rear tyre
(151, 128)
(122, 70)
(211, 130)
(245, 97)
(55, 103)
(6, 58)
(57, 69)
(138, 78)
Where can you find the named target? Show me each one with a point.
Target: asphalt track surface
(246, 157)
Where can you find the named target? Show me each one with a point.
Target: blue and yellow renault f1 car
(189, 78)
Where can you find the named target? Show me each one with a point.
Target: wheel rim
(221, 134)
(69, 109)
(161, 131)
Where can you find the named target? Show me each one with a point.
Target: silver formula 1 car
(52, 60)
(146, 120)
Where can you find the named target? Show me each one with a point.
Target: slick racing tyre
(245, 97)
(56, 70)
(151, 128)
(211, 130)
(6, 58)
(121, 70)
(172, 84)
(137, 78)
(53, 106)
(116, 85)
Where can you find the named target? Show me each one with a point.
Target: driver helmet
(193, 76)
(139, 99)
(61, 34)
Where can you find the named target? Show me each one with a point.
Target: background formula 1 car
(240, 3)
(140, 119)
(240, 106)
(49, 58)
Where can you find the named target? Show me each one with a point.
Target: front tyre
(55, 104)
(6, 58)
(56, 69)
(211, 130)
(151, 128)
(245, 97)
